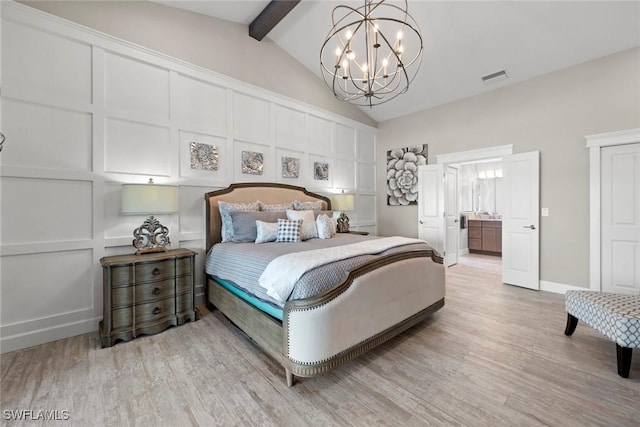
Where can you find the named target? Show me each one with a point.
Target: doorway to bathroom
(498, 196)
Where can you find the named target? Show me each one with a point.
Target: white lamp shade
(342, 202)
(143, 199)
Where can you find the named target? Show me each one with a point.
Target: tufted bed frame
(373, 303)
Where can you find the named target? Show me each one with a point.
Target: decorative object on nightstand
(342, 202)
(143, 199)
(146, 294)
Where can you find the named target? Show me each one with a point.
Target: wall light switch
(545, 211)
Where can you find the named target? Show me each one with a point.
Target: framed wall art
(402, 174)
(321, 171)
(252, 162)
(203, 156)
(290, 167)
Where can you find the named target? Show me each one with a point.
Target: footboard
(376, 302)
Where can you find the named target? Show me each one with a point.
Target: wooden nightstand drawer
(183, 266)
(155, 270)
(144, 313)
(122, 275)
(146, 294)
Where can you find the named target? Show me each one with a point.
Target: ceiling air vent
(495, 77)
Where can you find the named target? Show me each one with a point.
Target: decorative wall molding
(116, 135)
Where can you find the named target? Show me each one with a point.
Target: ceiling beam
(275, 11)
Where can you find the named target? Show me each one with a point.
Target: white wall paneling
(344, 175)
(67, 134)
(134, 87)
(55, 70)
(290, 127)
(138, 148)
(320, 134)
(85, 112)
(345, 141)
(251, 118)
(201, 106)
(366, 176)
(364, 141)
(38, 210)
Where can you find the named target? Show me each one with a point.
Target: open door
(438, 210)
(520, 221)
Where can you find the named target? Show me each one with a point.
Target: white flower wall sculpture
(402, 174)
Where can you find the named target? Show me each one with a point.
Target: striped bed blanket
(243, 263)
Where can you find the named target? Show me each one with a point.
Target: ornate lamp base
(151, 236)
(342, 223)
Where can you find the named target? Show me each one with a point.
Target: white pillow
(308, 229)
(266, 231)
(323, 223)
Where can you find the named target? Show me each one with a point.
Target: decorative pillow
(266, 231)
(289, 230)
(227, 223)
(308, 230)
(323, 223)
(279, 207)
(304, 206)
(332, 217)
(244, 223)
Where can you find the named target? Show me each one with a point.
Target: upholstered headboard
(250, 192)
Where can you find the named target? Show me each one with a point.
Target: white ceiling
(463, 40)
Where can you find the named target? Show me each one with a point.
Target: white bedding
(282, 273)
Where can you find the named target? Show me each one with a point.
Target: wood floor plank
(495, 355)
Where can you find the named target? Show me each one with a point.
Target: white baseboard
(559, 288)
(463, 251)
(45, 335)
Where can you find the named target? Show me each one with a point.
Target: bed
(378, 299)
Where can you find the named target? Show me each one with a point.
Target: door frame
(595, 144)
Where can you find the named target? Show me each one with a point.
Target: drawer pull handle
(156, 310)
(155, 291)
(155, 271)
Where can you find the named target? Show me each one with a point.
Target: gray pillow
(244, 223)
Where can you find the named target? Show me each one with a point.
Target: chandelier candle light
(372, 52)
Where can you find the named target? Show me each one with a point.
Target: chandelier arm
(381, 86)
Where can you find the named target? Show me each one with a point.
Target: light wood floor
(494, 355)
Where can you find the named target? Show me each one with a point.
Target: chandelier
(372, 53)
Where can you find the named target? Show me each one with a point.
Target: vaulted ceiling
(463, 40)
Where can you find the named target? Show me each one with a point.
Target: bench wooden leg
(572, 322)
(624, 360)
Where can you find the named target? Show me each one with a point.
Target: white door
(452, 232)
(520, 221)
(620, 218)
(437, 197)
(431, 220)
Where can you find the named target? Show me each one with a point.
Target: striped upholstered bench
(616, 316)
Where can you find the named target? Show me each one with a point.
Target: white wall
(215, 44)
(553, 114)
(83, 113)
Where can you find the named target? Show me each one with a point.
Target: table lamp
(342, 202)
(149, 199)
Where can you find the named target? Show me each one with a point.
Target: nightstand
(146, 294)
(361, 233)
